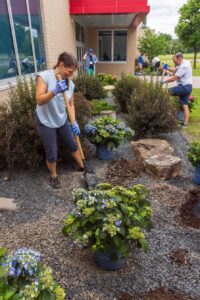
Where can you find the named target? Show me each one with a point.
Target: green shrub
(20, 145)
(107, 79)
(124, 88)
(151, 110)
(90, 87)
(99, 105)
(193, 153)
(83, 109)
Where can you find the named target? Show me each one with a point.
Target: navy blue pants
(49, 139)
(183, 91)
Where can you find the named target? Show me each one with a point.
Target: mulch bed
(121, 172)
(180, 257)
(161, 293)
(187, 214)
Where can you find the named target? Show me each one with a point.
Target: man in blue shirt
(140, 62)
(90, 62)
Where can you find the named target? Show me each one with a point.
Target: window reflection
(120, 42)
(8, 65)
(105, 40)
(22, 31)
(37, 34)
(112, 45)
(24, 48)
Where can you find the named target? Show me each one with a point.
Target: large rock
(163, 166)
(108, 113)
(146, 148)
(109, 87)
(7, 204)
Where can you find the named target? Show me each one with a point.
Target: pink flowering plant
(23, 277)
(109, 217)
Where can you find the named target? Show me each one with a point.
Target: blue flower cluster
(24, 262)
(111, 128)
(90, 129)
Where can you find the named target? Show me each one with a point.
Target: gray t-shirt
(53, 114)
(184, 72)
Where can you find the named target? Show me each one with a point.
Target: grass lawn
(168, 60)
(194, 123)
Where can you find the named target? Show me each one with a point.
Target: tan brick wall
(3, 96)
(115, 68)
(58, 29)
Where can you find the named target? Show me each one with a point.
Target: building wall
(58, 29)
(114, 68)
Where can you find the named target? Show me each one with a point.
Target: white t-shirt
(155, 60)
(184, 72)
(53, 114)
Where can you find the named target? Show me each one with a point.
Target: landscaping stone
(7, 204)
(108, 113)
(146, 148)
(109, 87)
(163, 166)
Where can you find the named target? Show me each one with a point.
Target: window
(112, 45)
(21, 42)
(79, 33)
(8, 64)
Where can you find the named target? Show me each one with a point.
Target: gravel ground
(38, 222)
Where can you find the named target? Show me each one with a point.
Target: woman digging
(51, 113)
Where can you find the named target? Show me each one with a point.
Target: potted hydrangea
(108, 220)
(23, 277)
(107, 134)
(194, 157)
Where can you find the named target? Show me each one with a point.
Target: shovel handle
(70, 119)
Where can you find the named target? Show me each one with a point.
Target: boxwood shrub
(90, 87)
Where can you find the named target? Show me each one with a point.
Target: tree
(188, 28)
(152, 44)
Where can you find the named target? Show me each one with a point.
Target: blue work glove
(165, 66)
(75, 128)
(60, 87)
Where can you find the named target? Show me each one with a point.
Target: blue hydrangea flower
(118, 223)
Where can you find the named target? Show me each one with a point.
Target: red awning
(86, 7)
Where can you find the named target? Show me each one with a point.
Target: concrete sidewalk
(196, 81)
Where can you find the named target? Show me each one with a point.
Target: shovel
(76, 136)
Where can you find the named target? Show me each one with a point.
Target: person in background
(90, 60)
(51, 116)
(156, 63)
(183, 76)
(140, 62)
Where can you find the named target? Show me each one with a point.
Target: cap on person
(90, 50)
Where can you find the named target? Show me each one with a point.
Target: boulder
(146, 148)
(163, 166)
(7, 204)
(109, 87)
(108, 113)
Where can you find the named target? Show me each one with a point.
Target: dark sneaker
(55, 183)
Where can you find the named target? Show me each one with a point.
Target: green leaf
(3, 272)
(2, 251)
(9, 294)
(45, 295)
(143, 244)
